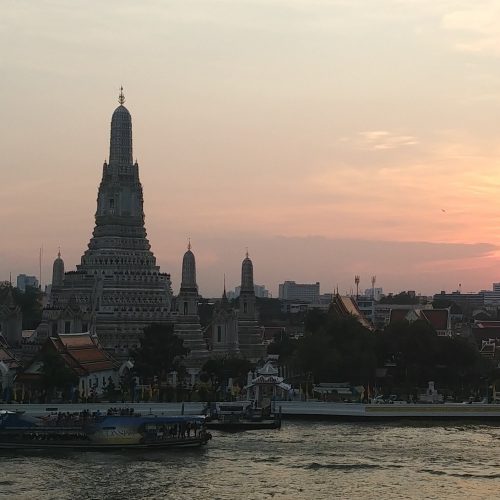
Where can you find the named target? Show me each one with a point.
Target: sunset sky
(330, 137)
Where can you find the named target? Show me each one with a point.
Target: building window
(85, 327)
(185, 308)
(67, 327)
(219, 333)
(54, 329)
(245, 308)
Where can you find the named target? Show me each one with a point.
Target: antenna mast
(40, 266)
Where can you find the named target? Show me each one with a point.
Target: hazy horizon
(330, 137)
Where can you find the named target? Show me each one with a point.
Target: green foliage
(160, 352)
(30, 302)
(404, 298)
(337, 349)
(110, 392)
(284, 346)
(342, 350)
(55, 373)
(417, 355)
(270, 311)
(220, 370)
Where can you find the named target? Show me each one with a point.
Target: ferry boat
(85, 431)
(241, 416)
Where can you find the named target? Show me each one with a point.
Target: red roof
(438, 318)
(81, 353)
(398, 315)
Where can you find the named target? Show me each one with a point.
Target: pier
(294, 410)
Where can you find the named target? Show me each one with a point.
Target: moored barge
(84, 431)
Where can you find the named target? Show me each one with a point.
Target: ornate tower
(58, 271)
(225, 327)
(117, 285)
(187, 324)
(249, 334)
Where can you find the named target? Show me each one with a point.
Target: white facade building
(304, 292)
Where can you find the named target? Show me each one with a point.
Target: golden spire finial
(121, 97)
(247, 252)
(59, 252)
(189, 243)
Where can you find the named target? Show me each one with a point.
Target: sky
(330, 137)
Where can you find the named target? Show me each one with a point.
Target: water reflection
(304, 460)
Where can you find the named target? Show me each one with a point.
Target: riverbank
(295, 409)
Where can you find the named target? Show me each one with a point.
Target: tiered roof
(437, 318)
(6, 357)
(81, 353)
(345, 306)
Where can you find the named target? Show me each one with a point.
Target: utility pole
(356, 280)
(40, 266)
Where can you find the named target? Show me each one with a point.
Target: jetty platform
(294, 410)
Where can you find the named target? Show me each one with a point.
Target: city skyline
(300, 130)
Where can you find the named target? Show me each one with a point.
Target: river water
(304, 460)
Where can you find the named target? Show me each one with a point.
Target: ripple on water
(303, 460)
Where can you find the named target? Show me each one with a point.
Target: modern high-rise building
(301, 292)
(24, 281)
(260, 291)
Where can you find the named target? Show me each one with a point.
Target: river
(304, 460)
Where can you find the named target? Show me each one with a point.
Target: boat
(241, 416)
(86, 431)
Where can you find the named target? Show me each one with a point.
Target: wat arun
(117, 289)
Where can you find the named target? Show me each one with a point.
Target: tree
(400, 298)
(337, 349)
(159, 353)
(417, 355)
(30, 302)
(55, 374)
(220, 370)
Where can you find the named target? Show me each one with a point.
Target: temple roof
(81, 353)
(346, 306)
(6, 357)
(437, 318)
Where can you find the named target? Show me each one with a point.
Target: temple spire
(120, 151)
(247, 275)
(189, 270)
(121, 97)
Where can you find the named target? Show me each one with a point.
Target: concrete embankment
(295, 409)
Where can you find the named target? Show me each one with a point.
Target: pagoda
(117, 289)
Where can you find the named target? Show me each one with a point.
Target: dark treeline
(400, 359)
